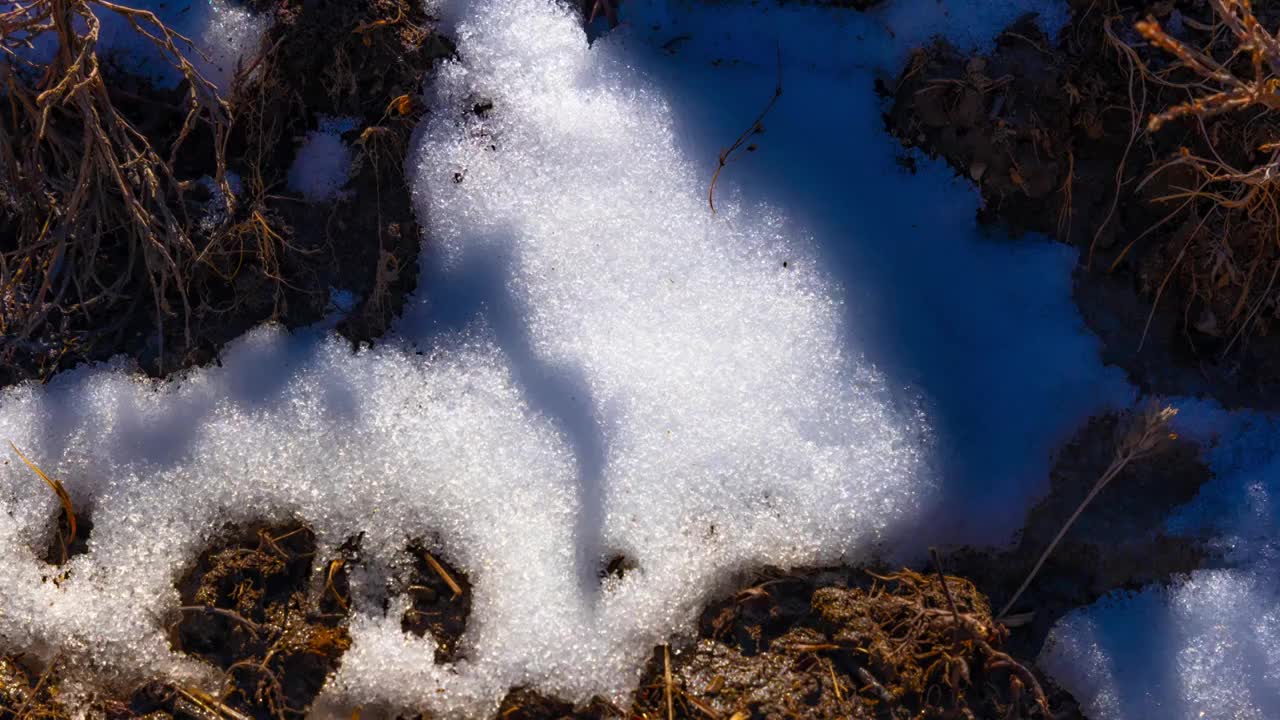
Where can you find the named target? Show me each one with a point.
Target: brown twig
(250, 625)
(86, 178)
(440, 570)
(756, 126)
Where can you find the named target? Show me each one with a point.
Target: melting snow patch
(323, 163)
(1206, 647)
(689, 390)
(1209, 645)
(389, 444)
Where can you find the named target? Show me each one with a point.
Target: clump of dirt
(242, 251)
(247, 610)
(441, 602)
(845, 644)
(1118, 542)
(998, 120)
(24, 696)
(526, 704)
(1056, 137)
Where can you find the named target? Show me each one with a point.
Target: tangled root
(94, 211)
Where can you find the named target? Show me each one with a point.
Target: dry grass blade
(35, 692)
(209, 704)
(1147, 433)
(667, 681)
(254, 628)
(443, 573)
(54, 485)
(334, 568)
(835, 682)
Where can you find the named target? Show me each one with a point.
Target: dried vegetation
(845, 644)
(1145, 135)
(250, 609)
(440, 602)
(94, 208)
(158, 223)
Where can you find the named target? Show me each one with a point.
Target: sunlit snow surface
(836, 363)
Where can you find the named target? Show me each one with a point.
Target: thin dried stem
(1145, 436)
(757, 125)
(88, 184)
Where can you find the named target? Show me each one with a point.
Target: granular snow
(700, 393)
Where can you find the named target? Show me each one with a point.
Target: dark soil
(859, 5)
(1054, 135)
(248, 608)
(280, 256)
(525, 704)
(441, 604)
(67, 544)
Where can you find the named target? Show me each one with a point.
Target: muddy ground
(1052, 133)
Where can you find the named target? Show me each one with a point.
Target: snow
(1208, 645)
(982, 328)
(817, 39)
(388, 443)
(323, 162)
(836, 364)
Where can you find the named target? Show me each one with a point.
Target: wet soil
(441, 602)
(1055, 136)
(279, 257)
(846, 643)
(526, 704)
